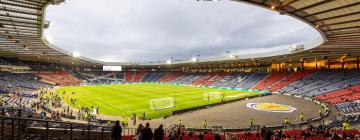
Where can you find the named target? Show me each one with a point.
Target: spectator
(116, 131)
(262, 131)
(268, 134)
(146, 133)
(138, 131)
(159, 133)
(217, 137)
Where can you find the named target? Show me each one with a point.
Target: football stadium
(179, 69)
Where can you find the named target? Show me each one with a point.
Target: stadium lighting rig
(47, 24)
(232, 56)
(194, 59)
(168, 61)
(76, 54)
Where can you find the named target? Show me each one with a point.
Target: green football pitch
(126, 99)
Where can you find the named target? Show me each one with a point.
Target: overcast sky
(156, 30)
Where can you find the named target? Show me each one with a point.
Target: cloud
(147, 30)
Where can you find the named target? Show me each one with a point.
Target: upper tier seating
(271, 79)
(289, 79)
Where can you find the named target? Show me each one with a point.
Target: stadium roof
(22, 23)
(337, 20)
(21, 33)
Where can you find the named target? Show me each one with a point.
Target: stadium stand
(188, 78)
(319, 75)
(138, 75)
(26, 81)
(101, 77)
(269, 80)
(251, 80)
(152, 76)
(351, 93)
(289, 79)
(208, 79)
(334, 82)
(169, 76)
(60, 77)
(232, 79)
(128, 76)
(349, 107)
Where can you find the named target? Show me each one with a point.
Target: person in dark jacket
(159, 133)
(138, 131)
(146, 133)
(268, 134)
(116, 131)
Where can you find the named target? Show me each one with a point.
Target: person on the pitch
(302, 118)
(180, 122)
(320, 113)
(134, 119)
(286, 121)
(205, 123)
(251, 123)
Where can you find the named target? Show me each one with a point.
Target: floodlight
(49, 39)
(193, 59)
(231, 56)
(47, 24)
(168, 61)
(75, 54)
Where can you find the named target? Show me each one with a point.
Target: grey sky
(149, 30)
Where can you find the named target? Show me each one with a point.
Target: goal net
(212, 95)
(162, 103)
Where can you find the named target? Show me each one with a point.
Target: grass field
(125, 99)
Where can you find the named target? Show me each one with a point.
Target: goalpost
(213, 95)
(162, 103)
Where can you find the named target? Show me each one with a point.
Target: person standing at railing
(146, 133)
(159, 133)
(138, 131)
(116, 131)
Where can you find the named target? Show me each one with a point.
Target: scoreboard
(112, 68)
